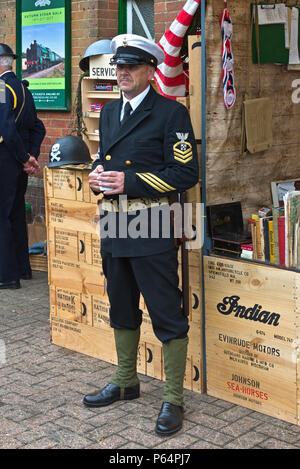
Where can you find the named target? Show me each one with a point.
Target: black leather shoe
(10, 285)
(170, 419)
(27, 275)
(111, 393)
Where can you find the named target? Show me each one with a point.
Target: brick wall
(8, 22)
(164, 13)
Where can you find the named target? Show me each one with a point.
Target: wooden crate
(72, 215)
(83, 338)
(69, 183)
(252, 336)
(38, 262)
(76, 275)
(195, 88)
(76, 246)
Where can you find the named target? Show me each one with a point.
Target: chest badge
(182, 149)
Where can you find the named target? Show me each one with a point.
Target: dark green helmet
(69, 150)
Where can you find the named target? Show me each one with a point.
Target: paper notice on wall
(287, 28)
(275, 14)
(272, 14)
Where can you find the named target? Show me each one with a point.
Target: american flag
(169, 76)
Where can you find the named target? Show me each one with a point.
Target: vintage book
(298, 246)
(271, 241)
(276, 211)
(292, 213)
(281, 239)
(253, 237)
(266, 238)
(260, 243)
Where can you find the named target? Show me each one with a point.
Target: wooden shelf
(93, 114)
(103, 94)
(93, 137)
(91, 118)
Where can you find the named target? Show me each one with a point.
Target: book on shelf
(292, 214)
(298, 247)
(296, 244)
(281, 239)
(271, 241)
(265, 222)
(253, 237)
(276, 211)
(260, 241)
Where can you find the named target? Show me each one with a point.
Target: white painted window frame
(132, 5)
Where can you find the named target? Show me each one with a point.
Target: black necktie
(127, 111)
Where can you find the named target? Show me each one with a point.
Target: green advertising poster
(43, 47)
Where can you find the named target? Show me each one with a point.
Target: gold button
(127, 162)
(108, 157)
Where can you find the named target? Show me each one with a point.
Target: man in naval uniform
(147, 154)
(21, 135)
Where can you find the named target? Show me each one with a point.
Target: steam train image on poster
(39, 57)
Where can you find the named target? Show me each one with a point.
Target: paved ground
(42, 385)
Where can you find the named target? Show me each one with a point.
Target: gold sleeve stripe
(13, 93)
(159, 182)
(156, 182)
(171, 188)
(150, 183)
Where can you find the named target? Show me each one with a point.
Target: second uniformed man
(21, 135)
(147, 154)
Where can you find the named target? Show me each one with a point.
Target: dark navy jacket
(23, 137)
(157, 151)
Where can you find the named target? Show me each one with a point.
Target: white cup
(104, 188)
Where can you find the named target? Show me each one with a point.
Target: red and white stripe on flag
(169, 75)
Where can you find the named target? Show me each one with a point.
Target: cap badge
(125, 43)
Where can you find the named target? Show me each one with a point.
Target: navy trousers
(156, 278)
(14, 258)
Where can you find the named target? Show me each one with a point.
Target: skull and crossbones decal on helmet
(55, 152)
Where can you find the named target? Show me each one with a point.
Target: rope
(79, 127)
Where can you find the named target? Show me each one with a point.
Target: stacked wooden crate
(79, 306)
(252, 336)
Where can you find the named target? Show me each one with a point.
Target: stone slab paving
(42, 385)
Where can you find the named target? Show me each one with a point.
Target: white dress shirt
(134, 102)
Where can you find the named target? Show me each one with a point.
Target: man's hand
(93, 178)
(112, 180)
(31, 166)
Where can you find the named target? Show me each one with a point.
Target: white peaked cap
(131, 48)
